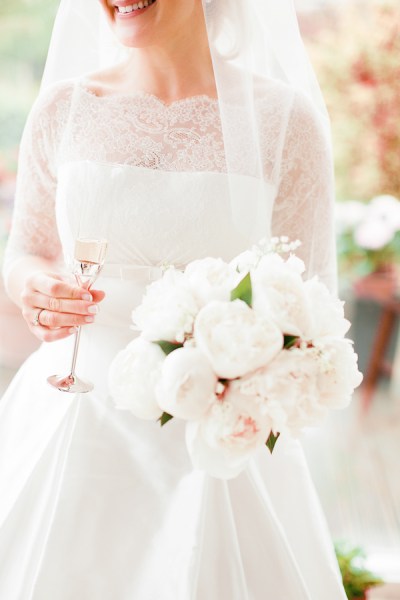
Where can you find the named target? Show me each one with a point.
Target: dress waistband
(132, 272)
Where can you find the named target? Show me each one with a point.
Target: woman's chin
(133, 28)
(133, 39)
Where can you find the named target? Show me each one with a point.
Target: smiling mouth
(123, 9)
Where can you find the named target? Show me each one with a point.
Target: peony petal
(235, 339)
(132, 376)
(187, 384)
(212, 460)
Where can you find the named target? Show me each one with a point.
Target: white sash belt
(132, 272)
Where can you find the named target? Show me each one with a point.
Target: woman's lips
(124, 10)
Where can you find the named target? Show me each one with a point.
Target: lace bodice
(70, 123)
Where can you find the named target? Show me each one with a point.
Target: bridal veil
(256, 52)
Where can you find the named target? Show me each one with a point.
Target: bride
(185, 130)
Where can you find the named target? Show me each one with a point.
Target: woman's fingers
(52, 335)
(48, 318)
(52, 285)
(97, 295)
(62, 306)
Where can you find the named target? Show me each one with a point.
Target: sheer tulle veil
(253, 43)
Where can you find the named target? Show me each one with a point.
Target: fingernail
(94, 309)
(89, 319)
(72, 330)
(87, 297)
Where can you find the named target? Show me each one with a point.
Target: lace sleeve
(304, 205)
(33, 227)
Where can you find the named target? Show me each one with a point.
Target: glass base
(70, 383)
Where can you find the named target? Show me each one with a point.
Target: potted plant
(357, 580)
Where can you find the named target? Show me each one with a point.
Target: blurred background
(355, 49)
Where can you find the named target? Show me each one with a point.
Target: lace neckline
(83, 86)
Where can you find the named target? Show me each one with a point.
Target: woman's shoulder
(52, 100)
(267, 87)
(106, 82)
(49, 114)
(291, 106)
(275, 92)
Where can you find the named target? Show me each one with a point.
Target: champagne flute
(88, 261)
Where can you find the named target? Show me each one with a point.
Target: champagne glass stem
(86, 285)
(88, 260)
(75, 354)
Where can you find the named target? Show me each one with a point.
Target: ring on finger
(36, 321)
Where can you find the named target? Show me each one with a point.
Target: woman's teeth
(132, 7)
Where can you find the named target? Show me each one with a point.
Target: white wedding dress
(96, 504)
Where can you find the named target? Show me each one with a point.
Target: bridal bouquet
(241, 351)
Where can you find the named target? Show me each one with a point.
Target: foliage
(243, 291)
(271, 441)
(356, 578)
(165, 418)
(357, 62)
(25, 30)
(168, 347)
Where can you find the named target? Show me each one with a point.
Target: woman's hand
(62, 305)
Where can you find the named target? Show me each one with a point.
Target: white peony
(278, 291)
(246, 261)
(295, 264)
(232, 430)
(211, 279)
(235, 339)
(132, 378)
(187, 385)
(288, 387)
(250, 259)
(339, 374)
(327, 314)
(167, 310)
(299, 386)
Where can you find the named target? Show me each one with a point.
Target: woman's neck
(175, 68)
(169, 73)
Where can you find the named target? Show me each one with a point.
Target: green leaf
(271, 441)
(165, 417)
(356, 578)
(289, 341)
(168, 347)
(243, 291)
